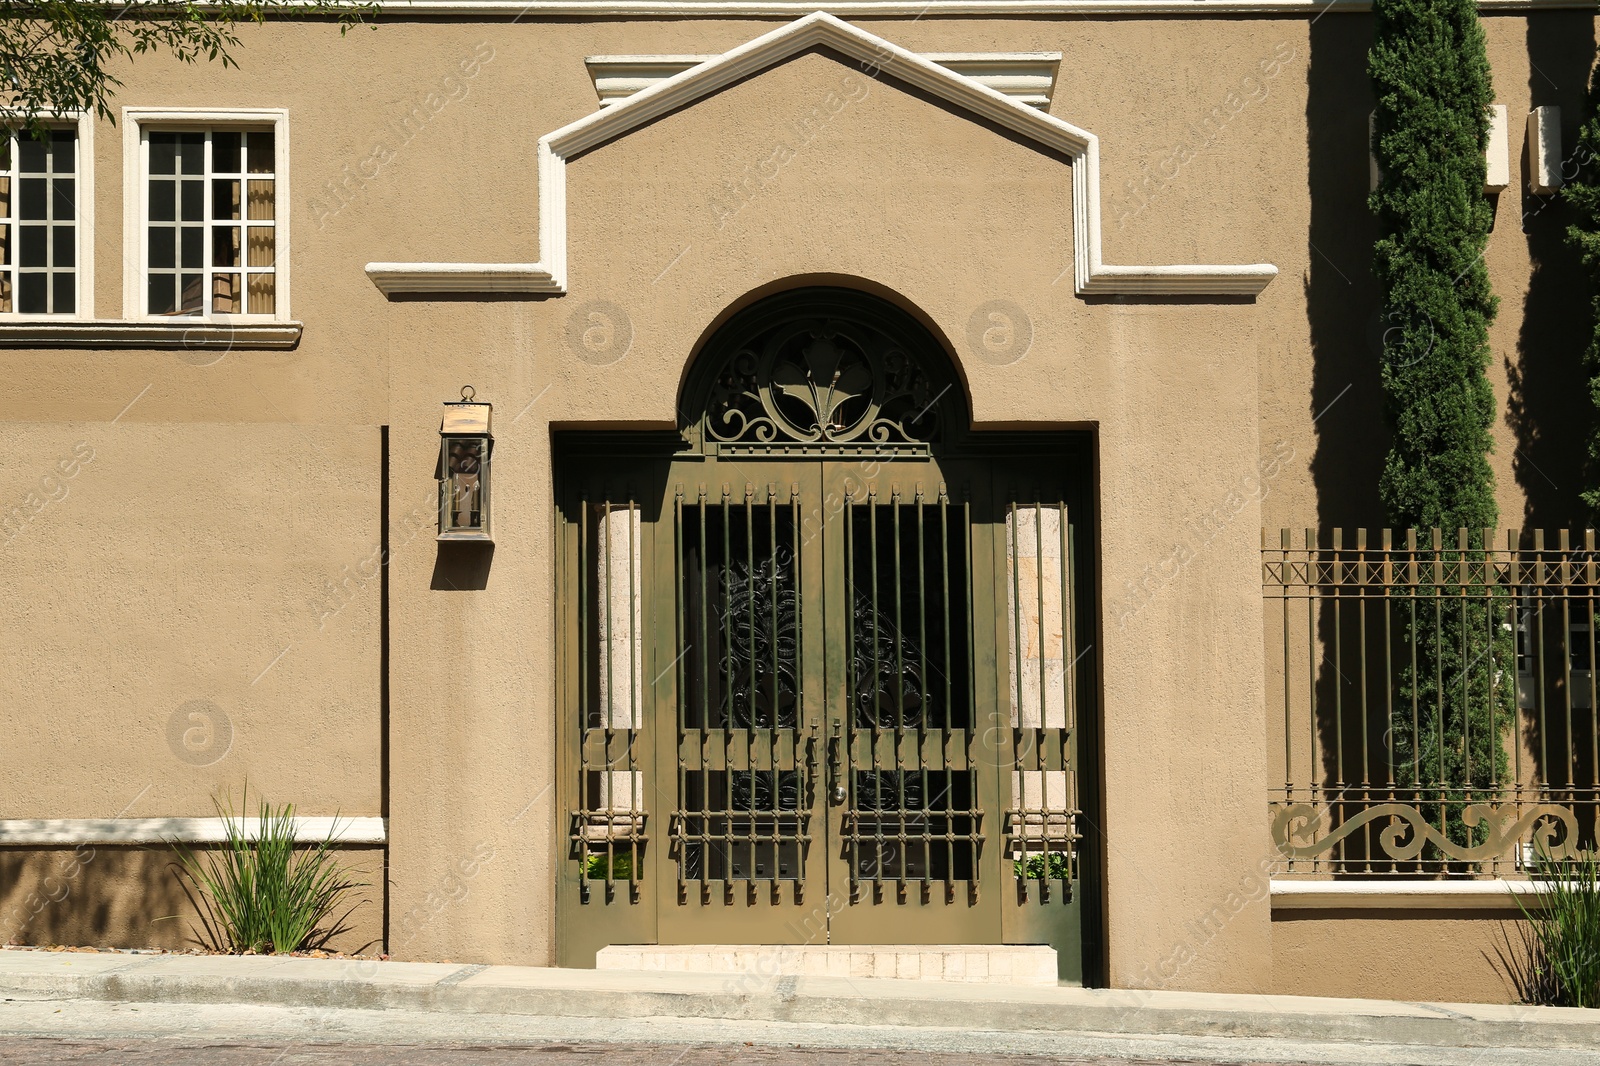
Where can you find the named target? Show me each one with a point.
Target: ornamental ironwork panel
(909, 774)
(1436, 703)
(746, 769)
(823, 370)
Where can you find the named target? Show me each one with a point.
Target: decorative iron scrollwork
(822, 382)
(1299, 830)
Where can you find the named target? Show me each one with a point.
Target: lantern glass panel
(464, 482)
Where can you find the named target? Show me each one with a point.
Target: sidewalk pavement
(449, 991)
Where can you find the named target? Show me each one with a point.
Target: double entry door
(818, 701)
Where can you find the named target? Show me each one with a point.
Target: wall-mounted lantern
(464, 446)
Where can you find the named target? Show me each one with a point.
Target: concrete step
(996, 964)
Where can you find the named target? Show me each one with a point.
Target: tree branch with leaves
(56, 56)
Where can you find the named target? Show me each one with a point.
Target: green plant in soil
(259, 892)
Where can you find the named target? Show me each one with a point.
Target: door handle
(836, 789)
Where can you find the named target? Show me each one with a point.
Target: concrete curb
(532, 991)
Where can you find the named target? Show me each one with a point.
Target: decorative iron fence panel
(1436, 710)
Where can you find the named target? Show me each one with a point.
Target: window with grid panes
(39, 223)
(212, 240)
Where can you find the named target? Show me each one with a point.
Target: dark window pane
(33, 245)
(62, 143)
(224, 246)
(225, 198)
(192, 296)
(66, 293)
(65, 206)
(64, 250)
(33, 194)
(163, 201)
(225, 152)
(163, 153)
(163, 247)
(163, 289)
(31, 293)
(30, 154)
(261, 153)
(192, 153)
(194, 201)
(193, 246)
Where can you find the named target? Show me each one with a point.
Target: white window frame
(83, 122)
(137, 123)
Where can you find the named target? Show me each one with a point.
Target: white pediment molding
(1027, 77)
(819, 29)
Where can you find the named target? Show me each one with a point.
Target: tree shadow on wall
(1346, 327)
(1547, 404)
(1342, 303)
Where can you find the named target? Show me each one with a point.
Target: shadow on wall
(1345, 317)
(462, 566)
(112, 896)
(1547, 406)
(1347, 325)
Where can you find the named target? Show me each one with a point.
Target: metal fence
(1431, 702)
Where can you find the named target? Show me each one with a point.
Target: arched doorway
(824, 653)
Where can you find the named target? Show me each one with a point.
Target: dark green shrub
(1430, 76)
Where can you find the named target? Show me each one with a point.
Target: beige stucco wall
(197, 543)
(1443, 956)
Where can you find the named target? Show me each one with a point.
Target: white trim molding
(53, 832)
(1293, 895)
(135, 189)
(875, 55)
(83, 123)
(1028, 77)
(176, 334)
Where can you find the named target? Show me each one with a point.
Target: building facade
(865, 543)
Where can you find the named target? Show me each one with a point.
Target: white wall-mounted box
(1497, 156)
(1544, 150)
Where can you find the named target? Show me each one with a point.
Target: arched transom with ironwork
(822, 369)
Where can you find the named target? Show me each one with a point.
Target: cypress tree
(1430, 74)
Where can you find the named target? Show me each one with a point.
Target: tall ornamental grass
(257, 893)
(1561, 952)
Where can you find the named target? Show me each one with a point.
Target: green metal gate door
(821, 655)
(910, 707)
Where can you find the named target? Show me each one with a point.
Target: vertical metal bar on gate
(920, 505)
(949, 684)
(1068, 735)
(975, 809)
(583, 699)
(681, 648)
(635, 779)
(902, 842)
(706, 674)
(877, 690)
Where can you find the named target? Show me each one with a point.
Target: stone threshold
(999, 964)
